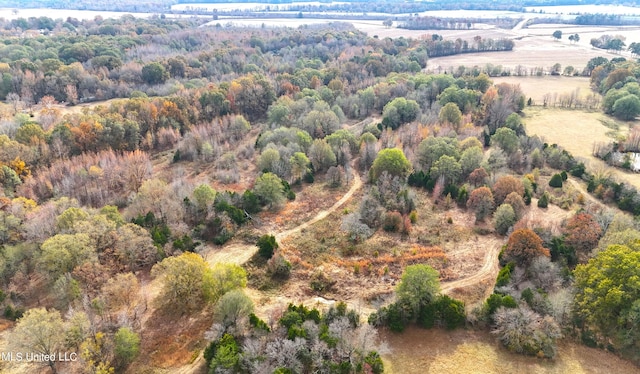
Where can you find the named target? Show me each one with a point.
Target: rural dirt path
(489, 269)
(240, 253)
(357, 183)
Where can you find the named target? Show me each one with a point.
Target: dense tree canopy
(608, 294)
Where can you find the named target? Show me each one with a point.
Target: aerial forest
(133, 152)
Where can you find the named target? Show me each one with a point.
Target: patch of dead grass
(577, 131)
(172, 341)
(537, 87)
(470, 351)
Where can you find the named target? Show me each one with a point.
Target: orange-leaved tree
(582, 233)
(523, 246)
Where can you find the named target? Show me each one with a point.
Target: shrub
(496, 301)
(451, 312)
(257, 323)
(222, 354)
(266, 246)
(543, 202)
(392, 222)
(250, 202)
(320, 282)
(463, 196)
(504, 276)
(395, 317)
(523, 331)
(556, 181)
(278, 266)
(308, 178)
(374, 361)
(413, 216)
(527, 198)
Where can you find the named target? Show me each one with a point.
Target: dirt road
(241, 253)
(489, 269)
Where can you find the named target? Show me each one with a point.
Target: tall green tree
(39, 332)
(63, 252)
(432, 148)
(232, 307)
(418, 286)
(187, 281)
(504, 218)
(126, 345)
(391, 160)
(321, 155)
(451, 114)
(506, 139)
(608, 295)
(154, 73)
(448, 168)
(627, 107)
(269, 189)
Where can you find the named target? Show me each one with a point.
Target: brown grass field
(418, 351)
(534, 46)
(577, 131)
(537, 87)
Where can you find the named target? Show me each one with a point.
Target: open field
(577, 131)
(466, 351)
(584, 9)
(530, 52)
(537, 87)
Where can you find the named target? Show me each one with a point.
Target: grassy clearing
(577, 131)
(537, 87)
(467, 351)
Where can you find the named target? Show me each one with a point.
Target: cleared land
(535, 47)
(470, 351)
(537, 87)
(577, 131)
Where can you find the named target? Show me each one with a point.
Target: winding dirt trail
(357, 183)
(490, 266)
(240, 253)
(489, 269)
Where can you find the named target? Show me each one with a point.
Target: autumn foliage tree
(582, 233)
(506, 185)
(524, 245)
(481, 201)
(478, 176)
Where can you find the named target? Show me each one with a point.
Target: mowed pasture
(535, 46)
(418, 351)
(537, 88)
(577, 131)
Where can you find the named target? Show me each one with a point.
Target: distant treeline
(607, 19)
(437, 47)
(436, 23)
(591, 19)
